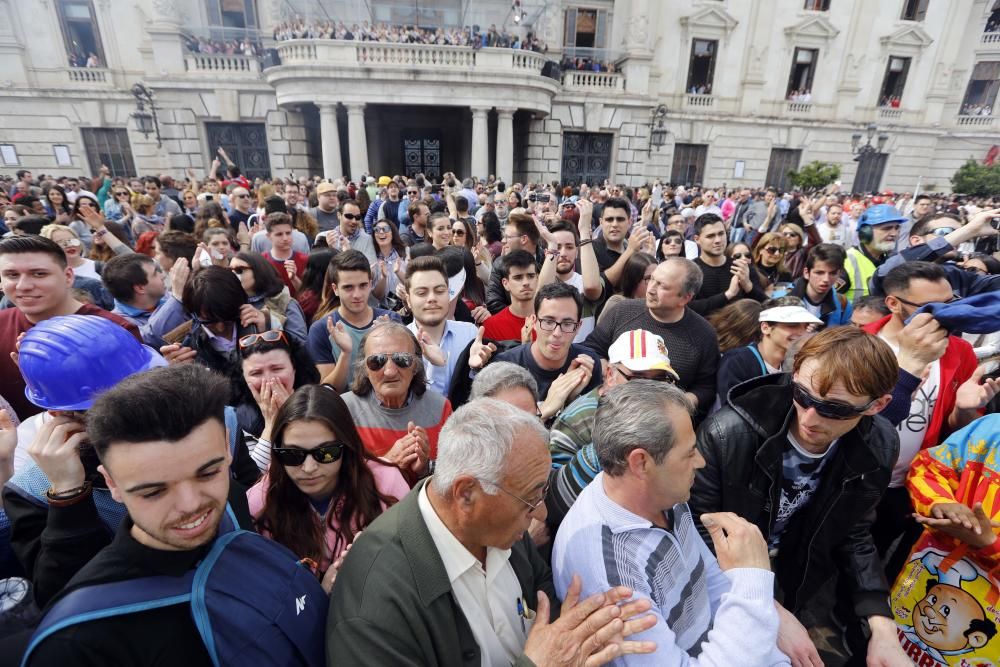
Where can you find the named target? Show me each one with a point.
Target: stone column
(480, 162)
(357, 143)
(330, 136)
(505, 144)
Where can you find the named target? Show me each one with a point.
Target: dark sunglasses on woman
(328, 452)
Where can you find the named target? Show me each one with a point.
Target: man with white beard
(878, 229)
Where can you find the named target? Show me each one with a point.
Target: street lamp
(863, 151)
(658, 128)
(145, 121)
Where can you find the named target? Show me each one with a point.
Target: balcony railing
(217, 64)
(890, 113)
(374, 53)
(699, 101)
(593, 81)
(975, 121)
(990, 38)
(799, 108)
(88, 75)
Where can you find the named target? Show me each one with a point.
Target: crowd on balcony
(569, 63)
(803, 96)
(993, 22)
(407, 34)
(977, 110)
(81, 60)
(890, 102)
(229, 47)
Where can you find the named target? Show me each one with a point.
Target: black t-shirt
(165, 636)
(606, 257)
(236, 217)
(521, 355)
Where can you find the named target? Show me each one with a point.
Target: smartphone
(209, 197)
(995, 223)
(205, 260)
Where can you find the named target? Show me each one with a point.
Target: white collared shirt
(488, 597)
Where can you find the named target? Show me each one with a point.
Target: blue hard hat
(881, 214)
(67, 361)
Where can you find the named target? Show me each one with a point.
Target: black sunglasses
(828, 409)
(238, 270)
(328, 452)
(376, 362)
(350, 216)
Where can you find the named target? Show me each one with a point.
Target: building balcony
(890, 113)
(696, 101)
(975, 121)
(592, 82)
(990, 39)
(218, 64)
(371, 72)
(799, 109)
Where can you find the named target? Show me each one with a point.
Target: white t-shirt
(588, 321)
(840, 235)
(914, 427)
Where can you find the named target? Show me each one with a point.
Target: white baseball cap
(640, 350)
(788, 315)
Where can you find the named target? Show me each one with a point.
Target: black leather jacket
(742, 444)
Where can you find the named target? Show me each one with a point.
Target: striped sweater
(380, 427)
(704, 616)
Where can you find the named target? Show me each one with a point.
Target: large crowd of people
(396, 421)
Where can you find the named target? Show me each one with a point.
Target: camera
(995, 223)
(209, 197)
(542, 197)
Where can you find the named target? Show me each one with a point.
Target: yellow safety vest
(860, 269)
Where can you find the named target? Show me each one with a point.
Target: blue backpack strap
(199, 610)
(760, 359)
(91, 603)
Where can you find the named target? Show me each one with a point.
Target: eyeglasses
(458, 232)
(954, 297)
(272, 336)
(376, 362)
(512, 236)
(673, 241)
(615, 219)
(941, 231)
(119, 194)
(976, 269)
(828, 409)
(382, 229)
(350, 216)
(774, 250)
(531, 506)
(412, 192)
(68, 243)
(740, 255)
(328, 452)
(238, 270)
(567, 326)
(242, 196)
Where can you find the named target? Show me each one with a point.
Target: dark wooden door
(422, 153)
(586, 158)
(246, 144)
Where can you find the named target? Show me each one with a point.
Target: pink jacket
(388, 480)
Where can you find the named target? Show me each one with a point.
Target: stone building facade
(743, 90)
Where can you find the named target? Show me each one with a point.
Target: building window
(800, 80)
(701, 69)
(993, 22)
(689, 164)
(8, 155)
(894, 82)
(81, 34)
(108, 146)
(914, 10)
(62, 155)
(981, 94)
(783, 160)
(232, 13)
(818, 5)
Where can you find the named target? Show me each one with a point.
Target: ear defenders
(865, 233)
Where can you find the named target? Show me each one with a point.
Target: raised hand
(175, 354)
(480, 353)
(432, 351)
(56, 450)
(250, 316)
(340, 336)
(975, 393)
(738, 543)
(971, 526)
(179, 274)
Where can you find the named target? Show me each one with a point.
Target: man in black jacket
(806, 457)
